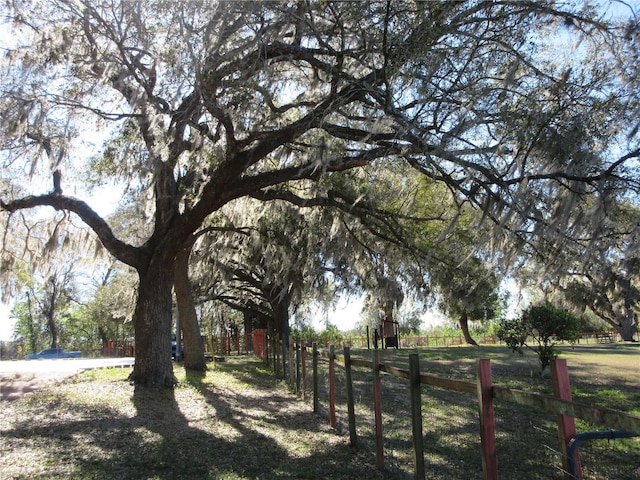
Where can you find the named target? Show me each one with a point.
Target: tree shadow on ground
(279, 431)
(154, 434)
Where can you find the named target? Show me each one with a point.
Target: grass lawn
(239, 422)
(527, 439)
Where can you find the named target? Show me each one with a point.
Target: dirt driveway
(20, 377)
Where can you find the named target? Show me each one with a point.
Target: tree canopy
(521, 109)
(608, 284)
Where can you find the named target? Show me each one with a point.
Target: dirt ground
(20, 377)
(15, 385)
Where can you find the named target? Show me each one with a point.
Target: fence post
(416, 415)
(285, 358)
(274, 348)
(292, 359)
(350, 400)
(566, 423)
(279, 352)
(377, 408)
(304, 370)
(298, 356)
(314, 361)
(487, 421)
(332, 386)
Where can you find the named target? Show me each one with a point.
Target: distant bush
(539, 328)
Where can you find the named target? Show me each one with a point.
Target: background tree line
(443, 144)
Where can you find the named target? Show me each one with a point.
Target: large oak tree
(607, 284)
(207, 102)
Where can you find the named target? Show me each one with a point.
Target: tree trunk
(388, 332)
(53, 331)
(248, 329)
(33, 338)
(628, 328)
(464, 326)
(280, 305)
(152, 324)
(50, 311)
(193, 344)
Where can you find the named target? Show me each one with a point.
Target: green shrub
(540, 328)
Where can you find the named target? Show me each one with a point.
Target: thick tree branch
(381, 223)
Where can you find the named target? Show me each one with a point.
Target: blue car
(174, 348)
(51, 353)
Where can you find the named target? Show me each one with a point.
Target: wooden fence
(434, 340)
(487, 394)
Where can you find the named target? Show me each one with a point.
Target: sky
(345, 316)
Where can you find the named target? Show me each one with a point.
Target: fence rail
(444, 340)
(486, 393)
